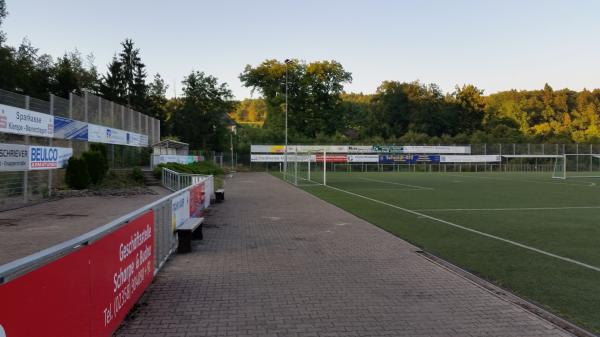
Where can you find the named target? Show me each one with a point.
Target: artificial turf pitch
(536, 236)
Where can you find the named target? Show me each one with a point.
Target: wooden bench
(185, 233)
(220, 195)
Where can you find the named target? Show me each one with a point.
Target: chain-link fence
(17, 188)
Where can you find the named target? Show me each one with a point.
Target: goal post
(577, 165)
(308, 168)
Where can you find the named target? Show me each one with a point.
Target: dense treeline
(412, 112)
(197, 117)
(320, 111)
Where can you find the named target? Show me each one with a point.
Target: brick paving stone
(276, 261)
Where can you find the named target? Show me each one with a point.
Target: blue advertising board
(67, 128)
(408, 158)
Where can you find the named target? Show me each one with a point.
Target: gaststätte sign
(25, 122)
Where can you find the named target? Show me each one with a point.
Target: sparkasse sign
(25, 122)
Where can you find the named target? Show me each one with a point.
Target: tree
(3, 14)
(314, 91)
(470, 108)
(70, 75)
(157, 101)
(200, 120)
(112, 87)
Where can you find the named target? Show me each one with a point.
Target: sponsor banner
(85, 293)
(66, 128)
(180, 210)
(25, 122)
(103, 134)
(470, 159)
(267, 148)
(408, 158)
(14, 157)
(136, 139)
(266, 158)
(197, 202)
(171, 158)
(360, 149)
(122, 267)
(363, 158)
(48, 157)
(280, 158)
(422, 149)
(298, 148)
(333, 158)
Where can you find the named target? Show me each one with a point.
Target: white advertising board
(363, 158)
(180, 209)
(48, 157)
(298, 148)
(14, 157)
(360, 149)
(436, 149)
(103, 134)
(469, 159)
(25, 122)
(280, 158)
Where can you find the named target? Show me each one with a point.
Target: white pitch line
(395, 183)
(514, 243)
(391, 189)
(503, 209)
(519, 180)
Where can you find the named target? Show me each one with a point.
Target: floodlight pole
(325, 167)
(286, 121)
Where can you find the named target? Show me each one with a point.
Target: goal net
(306, 168)
(577, 166)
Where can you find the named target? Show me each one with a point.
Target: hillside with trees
(320, 110)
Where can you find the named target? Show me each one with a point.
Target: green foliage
(200, 167)
(96, 167)
(77, 175)
(137, 175)
(314, 91)
(200, 117)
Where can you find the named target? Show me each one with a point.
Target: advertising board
(48, 157)
(363, 158)
(25, 122)
(196, 200)
(14, 157)
(180, 209)
(470, 159)
(66, 128)
(85, 293)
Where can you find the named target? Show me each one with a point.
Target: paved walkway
(27, 230)
(277, 261)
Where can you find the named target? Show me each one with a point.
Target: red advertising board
(333, 158)
(196, 199)
(85, 293)
(122, 266)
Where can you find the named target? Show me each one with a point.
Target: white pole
(286, 122)
(296, 166)
(325, 167)
(309, 166)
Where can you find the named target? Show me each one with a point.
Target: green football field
(527, 232)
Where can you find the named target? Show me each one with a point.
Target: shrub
(96, 165)
(77, 175)
(137, 175)
(201, 167)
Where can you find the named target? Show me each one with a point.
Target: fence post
(50, 142)
(26, 173)
(85, 116)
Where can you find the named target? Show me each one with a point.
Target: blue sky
(496, 45)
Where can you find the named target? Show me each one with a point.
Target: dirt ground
(27, 230)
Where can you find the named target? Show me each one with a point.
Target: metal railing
(175, 181)
(165, 240)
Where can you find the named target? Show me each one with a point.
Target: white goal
(577, 166)
(307, 168)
